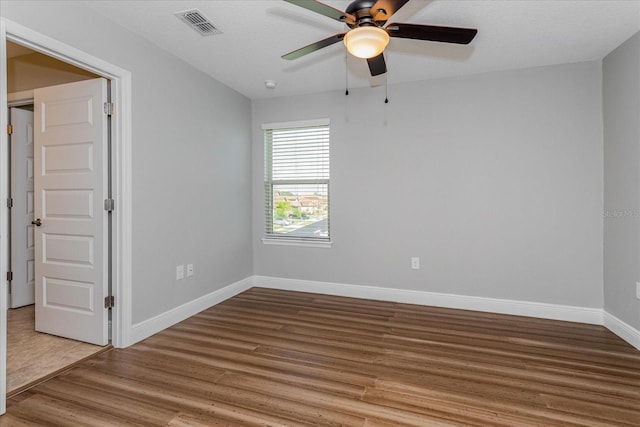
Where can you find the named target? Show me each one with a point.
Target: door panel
(70, 185)
(67, 159)
(22, 239)
(68, 204)
(68, 295)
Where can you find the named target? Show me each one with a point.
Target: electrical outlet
(415, 263)
(189, 270)
(180, 272)
(638, 290)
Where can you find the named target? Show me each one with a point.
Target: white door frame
(121, 268)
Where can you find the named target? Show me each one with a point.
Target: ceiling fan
(369, 35)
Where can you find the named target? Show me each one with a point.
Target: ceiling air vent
(196, 20)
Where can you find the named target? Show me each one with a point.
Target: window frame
(269, 237)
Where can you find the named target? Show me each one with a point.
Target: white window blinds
(296, 181)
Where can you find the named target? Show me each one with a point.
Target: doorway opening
(35, 351)
(120, 169)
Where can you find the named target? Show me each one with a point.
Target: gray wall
(494, 181)
(191, 159)
(621, 97)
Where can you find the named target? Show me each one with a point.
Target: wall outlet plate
(179, 272)
(638, 290)
(189, 270)
(415, 263)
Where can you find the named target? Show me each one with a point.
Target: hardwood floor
(278, 358)
(33, 356)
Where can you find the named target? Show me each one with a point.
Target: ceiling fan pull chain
(346, 74)
(386, 89)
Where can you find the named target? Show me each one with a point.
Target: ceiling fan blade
(377, 65)
(314, 46)
(383, 9)
(323, 9)
(432, 33)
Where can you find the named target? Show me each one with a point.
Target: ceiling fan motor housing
(361, 9)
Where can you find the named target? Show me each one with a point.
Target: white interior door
(22, 239)
(70, 183)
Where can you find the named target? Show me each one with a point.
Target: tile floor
(32, 355)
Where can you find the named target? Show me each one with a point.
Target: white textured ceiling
(511, 34)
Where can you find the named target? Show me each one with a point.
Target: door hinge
(109, 205)
(109, 302)
(109, 108)
(9, 276)
(10, 129)
(9, 202)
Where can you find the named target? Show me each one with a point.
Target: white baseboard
(623, 330)
(169, 318)
(492, 305)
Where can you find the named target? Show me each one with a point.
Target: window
(296, 182)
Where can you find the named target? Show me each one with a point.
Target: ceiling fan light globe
(366, 42)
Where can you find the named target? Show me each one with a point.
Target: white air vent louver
(196, 20)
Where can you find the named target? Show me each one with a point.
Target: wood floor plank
(521, 377)
(184, 404)
(476, 412)
(255, 400)
(44, 410)
(607, 413)
(259, 364)
(269, 357)
(490, 348)
(223, 419)
(357, 407)
(106, 402)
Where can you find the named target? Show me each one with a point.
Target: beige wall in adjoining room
(27, 72)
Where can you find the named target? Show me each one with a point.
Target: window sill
(297, 242)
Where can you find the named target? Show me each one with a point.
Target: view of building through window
(301, 210)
